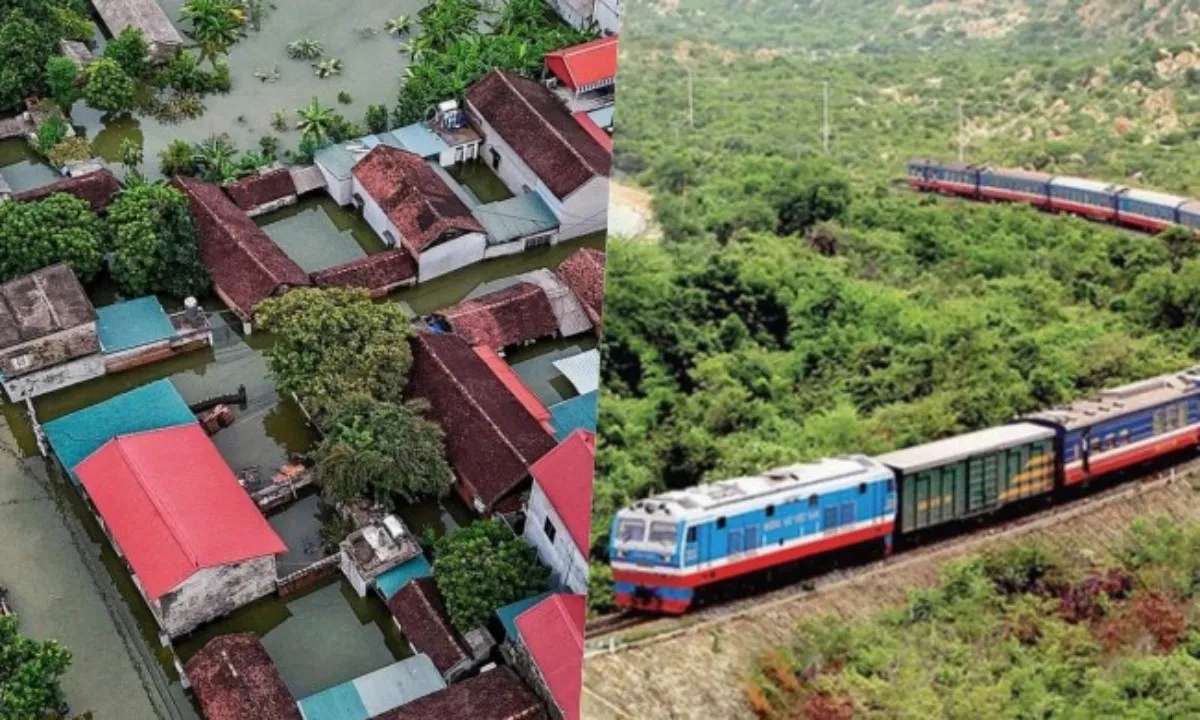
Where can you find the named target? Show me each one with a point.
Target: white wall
(338, 189)
(607, 14)
(508, 248)
(374, 215)
(448, 157)
(55, 378)
(513, 172)
(585, 210)
(451, 255)
(562, 556)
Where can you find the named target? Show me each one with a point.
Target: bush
(72, 150)
(482, 567)
(131, 52)
(109, 88)
(177, 158)
(376, 118)
(30, 673)
(344, 97)
(62, 78)
(53, 131)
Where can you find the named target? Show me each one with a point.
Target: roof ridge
(561, 606)
(237, 238)
(437, 614)
(37, 281)
(167, 516)
(553, 130)
(491, 304)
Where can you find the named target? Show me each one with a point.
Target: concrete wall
(607, 14)
(350, 570)
(518, 658)
(214, 592)
(509, 248)
(451, 155)
(374, 214)
(337, 188)
(567, 565)
(29, 357)
(451, 255)
(513, 172)
(585, 211)
(571, 15)
(55, 378)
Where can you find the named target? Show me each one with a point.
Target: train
(669, 552)
(1119, 204)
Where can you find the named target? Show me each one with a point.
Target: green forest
(803, 302)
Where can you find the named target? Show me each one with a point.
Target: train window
(813, 500)
(631, 530)
(862, 488)
(691, 535)
(1096, 444)
(664, 532)
(770, 511)
(1160, 421)
(1182, 414)
(720, 523)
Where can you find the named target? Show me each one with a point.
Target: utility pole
(825, 113)
(691, 99)
(962, 134)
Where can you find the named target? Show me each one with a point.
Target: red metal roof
(552, 631)
(565, 475)
(516, 386)
(173, 506)
(582, 65)
(587, 123)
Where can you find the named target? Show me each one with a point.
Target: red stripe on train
(1112, 463)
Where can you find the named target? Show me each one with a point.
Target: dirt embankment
(698, 673)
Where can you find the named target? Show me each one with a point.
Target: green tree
(484, 566)
(25, 47)
(177, 158)
(109, 88)
(316, 121)
(153, 241)
(214, 159)
(215, 26)
(331, 343)
(62, 80)
(51, 132)
(1180, 244)
(376, 119)
(30, 672)
(130, 50)
(384, 451)
(60, 228)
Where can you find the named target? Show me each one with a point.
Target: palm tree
(214, 158)
(316, 120)
(328, 67)
(398, 25)
(215, 25)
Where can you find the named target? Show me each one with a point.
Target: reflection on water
(21, 168)
(317, 233)
(481, 181)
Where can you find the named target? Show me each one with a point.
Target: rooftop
(339, 159)
(146, 15)
(578, 413)
(233, 678)
(421, 612)
(374, 551)
(960, 447)
(521, 216)
(587, 65)
(418, 202)
(515, 385)
(583, 370)
(587, 121)
(552, 631)
(42, 303)
(390, 581)
(495, 695)
(583, 272)
(565, 475)
(1123, 400)
(262, 188)
(132, 324)
(97, 188)
(509, 613)
(517, 314)
(381, 271)
(374, 693)
(539, 130)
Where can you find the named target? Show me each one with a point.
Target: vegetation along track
(608, 633)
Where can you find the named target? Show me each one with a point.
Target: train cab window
(862, 488)
(813, 500)
(770, 511)
(631, 530)
(691, 534)
(720, 523)
(664, 533)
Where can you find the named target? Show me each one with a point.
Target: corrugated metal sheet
(1155, 197)
(340, 702)
(392, 580)
(131, 324)
(1084, 184)
(398, 684)
(583, 370)
(603, 116)
(933, 454)
(578, 413)
(525, 215)
(572, 319)
(420, 140)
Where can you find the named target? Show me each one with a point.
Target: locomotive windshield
(664, 533)
(631, 530)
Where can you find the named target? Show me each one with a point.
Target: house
(97, 188)
(520, 223)
(491, 439)
(533, 144)
(378, 274)
(585, 75)
(585, 14)
(233, 678)
(420, 612)
(409, 205)
(245, 265)
(145, 15)
(558, 517)
(583, 272)
(264, 191)
(578, 413)
(371, 551)
(376, 692)
(48, 334)
(494, 695)
(515, 385)
(582, 371)
(138, 332)
(196, 544)
(548, 652)
(517, 315)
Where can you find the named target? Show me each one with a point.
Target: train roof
(1157, 198)
(1123, 400)
(1018, 173)
(778, 485)
(1191, 207)
(961, 447)
(1075, 183)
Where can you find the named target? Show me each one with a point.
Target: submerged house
(97, 188)
(585, 14)
(375, 693)
(534, 145)
(548, 651)
(409, 205)
(233, 678)
(145, 15)
(420, 612)
(585, 75)
(558, 517)
(494, 695)
(583, 272)
(539, 305)
(264, 191)
(491, 438)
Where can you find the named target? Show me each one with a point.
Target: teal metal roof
(376, 692)
(132, 324)
(603, 116)
(340, 702)
(420, 140)
(521, 216)
(390, 582)
(508, 614)
(151, 407)
(337, 160)
(578, 413)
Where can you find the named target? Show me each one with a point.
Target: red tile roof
(262, 188)
(552, 631)
(97, 188)
(246, 266)
(421, 612)
(539, 130)
(583, 272)
(491, 439)
(417, 201)
(585, 64)
(233, 678)
(173, 506)
(517, 314)
(515, 385)
(565, 476)
(588, 124)
(379, 272)
(495, 695)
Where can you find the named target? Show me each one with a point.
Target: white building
(582, 14)
(558, 517)
(533, 144)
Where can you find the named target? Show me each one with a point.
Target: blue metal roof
(517, 217)
(336, 703)
(375, 693)
(132, 324)
(420, 140)
(151, 407)
(390, 582)
(508, 614)
(337, 159)
(603, 116)
(578, 413)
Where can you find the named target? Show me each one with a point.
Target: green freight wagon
(972, 474)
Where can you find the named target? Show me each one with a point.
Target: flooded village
(305, 433)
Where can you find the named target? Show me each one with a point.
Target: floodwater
(21, 167)
(534, 364)
(372, 66)
(484, 184)
(317, 233)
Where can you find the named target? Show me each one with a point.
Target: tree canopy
(153, 241)
(60, 228)
(484, 566)
(30, 671)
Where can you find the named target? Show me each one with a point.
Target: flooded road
(21, 168)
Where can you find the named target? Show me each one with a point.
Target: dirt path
(698, 673)
(630, 213)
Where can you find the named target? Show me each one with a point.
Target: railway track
(608, 633)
